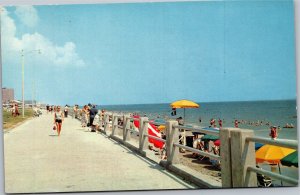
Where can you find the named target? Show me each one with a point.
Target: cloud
(51, 54)
(27, 15)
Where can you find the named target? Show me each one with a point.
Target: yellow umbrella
(272, 154)
(184, 104)
(161, 127)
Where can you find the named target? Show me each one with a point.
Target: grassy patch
(9, 121)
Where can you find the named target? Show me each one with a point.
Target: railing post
(172, 137)
(242, 156)
(106, 120)
(126, 126)
(225, 154)
(143, 130)
(114, 124)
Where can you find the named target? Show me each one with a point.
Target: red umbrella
(217, 142)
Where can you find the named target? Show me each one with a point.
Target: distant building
(7, 95)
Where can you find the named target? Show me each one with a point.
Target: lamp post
(22, 58)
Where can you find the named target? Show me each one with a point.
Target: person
(216, 151)
(173, 113)
(75, 111)
(58, 119)
(48, 108)
(17, 110)
(236, 123)
(180, 121)
(220, 123)
(92, 112)
(66, 110)
(273, 133)
(96, 121)
(212, 122)
(200, 120)
(13, 110)
(84, 116)
(51, 109)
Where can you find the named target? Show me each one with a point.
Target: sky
(140, 53)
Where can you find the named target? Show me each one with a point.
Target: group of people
(50, 109)
(212, 123)
(90, 117)
(206, 147)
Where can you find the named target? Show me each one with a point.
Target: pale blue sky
(151, 52)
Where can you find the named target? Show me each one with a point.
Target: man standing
(93, 112)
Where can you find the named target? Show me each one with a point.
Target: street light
(22, 56)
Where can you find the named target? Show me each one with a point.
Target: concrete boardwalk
(37, 160)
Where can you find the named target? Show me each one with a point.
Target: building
(7, 95)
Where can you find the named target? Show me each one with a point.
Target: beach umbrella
(217, 143)
(272, 154)
(161, 127)
(290, 160)
(184, 104)
(258, 145)
(209, 137)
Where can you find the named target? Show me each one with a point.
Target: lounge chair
(263, 181)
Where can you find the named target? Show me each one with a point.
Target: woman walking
(84, 116)
(58, 118)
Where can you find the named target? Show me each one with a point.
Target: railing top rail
(156, 138)
(283, 143)
(207, 154)
(198, 129)
(273, 175)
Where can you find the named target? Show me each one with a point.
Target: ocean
(255, 115)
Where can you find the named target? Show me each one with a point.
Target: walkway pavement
(37, 160)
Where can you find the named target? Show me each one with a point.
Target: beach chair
(263, 181)
(204, 148)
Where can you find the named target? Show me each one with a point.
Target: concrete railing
(237, 150)
(171, 143)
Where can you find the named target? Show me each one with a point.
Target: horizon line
(201, 102)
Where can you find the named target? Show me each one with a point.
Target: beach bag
(54, 127)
